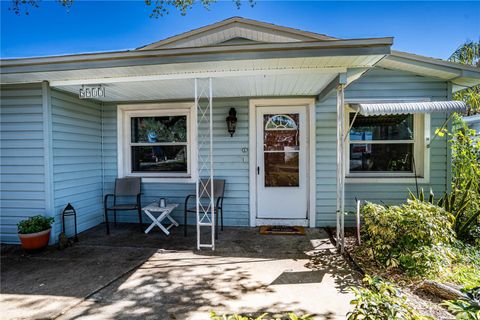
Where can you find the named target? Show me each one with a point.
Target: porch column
(340, 168)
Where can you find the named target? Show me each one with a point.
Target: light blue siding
(379, 84)
(473, 122)
(22, 170)
(395, 84)
(84, 154)
(326, 159)
(376, 84)
(476, 127)
(228, 164)
(77, 160)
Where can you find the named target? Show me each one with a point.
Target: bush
(463, 309)
(462, 205)
(381, 300)
(415, 236)
(265, 316)
(466, 309)
(465, 271)
(35, 224)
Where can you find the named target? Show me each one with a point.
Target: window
(156, 141)
(386, 146)
(159, 144)
(281, 147)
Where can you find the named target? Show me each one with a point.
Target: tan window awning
(377, 109)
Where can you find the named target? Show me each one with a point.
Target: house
(321, 122)
(473, 122)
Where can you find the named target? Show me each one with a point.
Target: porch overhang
(240, 78)
(229, 80)
(272, 69)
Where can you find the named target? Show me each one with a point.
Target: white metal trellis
(204, 191)
(340, 169)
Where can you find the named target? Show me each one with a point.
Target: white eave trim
(462, 76)
(434, 61)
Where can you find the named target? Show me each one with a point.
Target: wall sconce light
(231, 121)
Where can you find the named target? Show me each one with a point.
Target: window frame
(421, 138)
(124, 115)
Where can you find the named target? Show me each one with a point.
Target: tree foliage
(464, 199)
(162, 7)
(159, 7)
(465, 171)
(468, 53)
(24, 6)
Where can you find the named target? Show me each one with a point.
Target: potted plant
(34, 232)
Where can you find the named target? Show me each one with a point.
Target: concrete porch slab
(130, 275)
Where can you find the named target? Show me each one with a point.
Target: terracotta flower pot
(35, 241)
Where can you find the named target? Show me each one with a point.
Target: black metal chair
(124, 187)
(218, 194)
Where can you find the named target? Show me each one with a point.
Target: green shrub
(465, 270)
(265, 316)
(381, 300)
(462, 309)
(415, 236)
(463, 206)
(34, 224)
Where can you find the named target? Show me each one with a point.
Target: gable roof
(239, 39)
(236, 28)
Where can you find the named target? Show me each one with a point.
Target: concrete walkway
(126, 276)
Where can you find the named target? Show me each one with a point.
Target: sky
(433, 29)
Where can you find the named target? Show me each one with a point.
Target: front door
(281, 163)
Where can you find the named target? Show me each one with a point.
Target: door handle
(258, 170)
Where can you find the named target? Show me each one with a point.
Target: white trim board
(311, 140)
(283, 222)
(123, 128)
(422, 139)
(48, 156)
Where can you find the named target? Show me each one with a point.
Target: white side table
(164, 214)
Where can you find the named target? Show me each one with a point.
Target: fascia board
(163, 56)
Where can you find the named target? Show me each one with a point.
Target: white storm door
(281, 162)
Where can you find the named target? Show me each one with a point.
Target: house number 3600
(91, 92)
